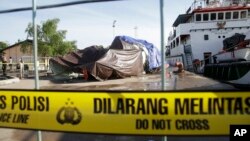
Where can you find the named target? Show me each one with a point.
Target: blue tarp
(153, 58)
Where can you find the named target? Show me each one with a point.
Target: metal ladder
(189, 62)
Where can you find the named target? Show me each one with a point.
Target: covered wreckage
(152, 56)
(124, 58)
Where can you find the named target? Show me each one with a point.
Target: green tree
(3, 45)
(51, 41)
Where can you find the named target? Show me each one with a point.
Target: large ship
(212, 38)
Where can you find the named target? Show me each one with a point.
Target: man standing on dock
(21, 68)
(4, 64)
(10, 63)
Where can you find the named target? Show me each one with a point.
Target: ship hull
(236, 73)
(239, 54)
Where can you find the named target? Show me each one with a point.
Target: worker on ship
(180, 67)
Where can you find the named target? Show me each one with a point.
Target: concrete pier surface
(29, 135)
(184, 81)
(149, 82)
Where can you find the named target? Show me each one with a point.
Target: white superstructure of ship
(198, 35)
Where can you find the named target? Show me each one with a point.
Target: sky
(91, 24)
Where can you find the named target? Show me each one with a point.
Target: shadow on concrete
(61, 80)
(29, 135)
(92, 137)
(23, 135)
(213, 87)
(199, 138)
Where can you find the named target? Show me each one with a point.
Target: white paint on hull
(245, 80)
(243, 53)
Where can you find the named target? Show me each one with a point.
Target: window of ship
(205, 17)
(236, 15)
(206, 37)
(243, 14)
(198, 17)
(177, 42)
(220, 16)
(228, 15)
(248, 12)
(213, 16)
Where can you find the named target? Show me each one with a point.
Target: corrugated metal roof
(30, 41)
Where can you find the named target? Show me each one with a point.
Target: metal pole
(39, 133)
(163, 79)
(35, 45)
(162, 45)
(114, 28)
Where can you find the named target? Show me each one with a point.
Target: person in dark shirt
(4, 64)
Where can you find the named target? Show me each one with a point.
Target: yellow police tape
(141, 113)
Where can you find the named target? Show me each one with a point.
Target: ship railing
(197, 4)
(200, 64)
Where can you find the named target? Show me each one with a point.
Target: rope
(202, 62)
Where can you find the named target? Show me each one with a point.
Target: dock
(149, 82)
